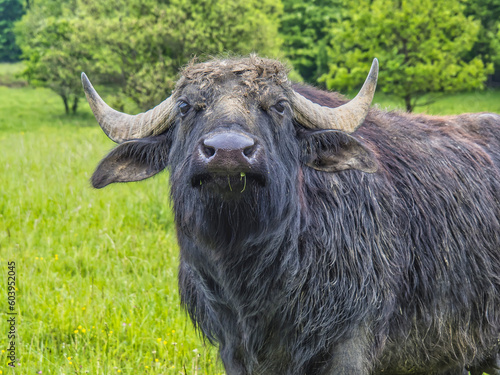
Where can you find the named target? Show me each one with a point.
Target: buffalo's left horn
(346, 117)
(121, 127)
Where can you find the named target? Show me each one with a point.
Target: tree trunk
(408, 103)
(66, 105)
(75, 105)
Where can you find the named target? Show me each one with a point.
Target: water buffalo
(320, 236)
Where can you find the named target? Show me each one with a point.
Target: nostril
(248, 151)
(208, 151)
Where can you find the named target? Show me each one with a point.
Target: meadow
(95, 269)
(96, 287)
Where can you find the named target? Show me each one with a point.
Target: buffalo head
(226, 126)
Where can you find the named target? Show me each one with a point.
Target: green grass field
(96, 269)
(9, 75)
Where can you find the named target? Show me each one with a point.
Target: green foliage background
(136, 47)
(305, 28)
(421, 46)
(487, 12)
(10, 11)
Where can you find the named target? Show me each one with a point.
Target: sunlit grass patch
(446, 103)
(10, 74)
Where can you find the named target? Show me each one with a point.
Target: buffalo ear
(132, 161)
(334, 151)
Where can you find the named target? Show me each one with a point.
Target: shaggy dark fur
(392, 272)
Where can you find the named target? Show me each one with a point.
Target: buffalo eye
(279, 107)
(184, 107)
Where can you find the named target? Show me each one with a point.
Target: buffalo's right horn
(121, 127)
(347, 117)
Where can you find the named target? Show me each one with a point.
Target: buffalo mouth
(228, 183)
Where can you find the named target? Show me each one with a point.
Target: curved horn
(121, 127)
(346, 117)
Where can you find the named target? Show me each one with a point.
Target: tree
(10, 11)
(421, 45)
(487, 44)
(54, 56)
(304, 27)
(138, 45)
(143, 44)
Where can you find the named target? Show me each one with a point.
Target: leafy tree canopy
(144, 47)
(53, 53)
(138, 45)
(10, 11)
(421, 45)
(487, 44)
(304, 27)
